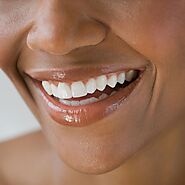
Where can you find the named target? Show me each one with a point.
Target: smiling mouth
(89, 91)
(82, 102)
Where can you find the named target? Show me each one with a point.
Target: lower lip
(79, 116)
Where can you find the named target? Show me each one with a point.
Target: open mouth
(81, 103)
(93, 90)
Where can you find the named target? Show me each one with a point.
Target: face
(63, 55)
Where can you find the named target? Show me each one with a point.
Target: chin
(95, 166)
(93, 153)
(99, 161)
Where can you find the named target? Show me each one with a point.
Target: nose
(58, 29)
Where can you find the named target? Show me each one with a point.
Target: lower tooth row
(78, 103)
(86, 101)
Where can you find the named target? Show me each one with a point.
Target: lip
(80, 73)
(80, 116)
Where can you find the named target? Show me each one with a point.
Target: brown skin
(149, 149)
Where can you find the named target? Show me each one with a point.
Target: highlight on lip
(89, 91)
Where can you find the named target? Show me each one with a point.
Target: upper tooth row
(80, 89)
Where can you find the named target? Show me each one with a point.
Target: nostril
(29, 40)
(42, 40)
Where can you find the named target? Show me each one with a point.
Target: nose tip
(59, 37)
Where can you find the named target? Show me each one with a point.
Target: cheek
(155, 29)
(8, 54)
(15, 18)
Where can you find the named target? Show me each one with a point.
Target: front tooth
(121, 78)
(75, 103)
(66, 102)
(47, 87)
(85, 102)
(114, 92)
(130, 75)
(93, 100)
(101, 82)
(91, 86)
(64, 91)
(103, 96)
(78, 89)
(112, 81)
(54, 90)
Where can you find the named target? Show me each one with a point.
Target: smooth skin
(149, 148)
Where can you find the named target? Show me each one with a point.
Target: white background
(15, 117)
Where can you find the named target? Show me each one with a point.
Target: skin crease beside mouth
(142, 142)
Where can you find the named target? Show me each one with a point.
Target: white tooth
(47, 87)
(85, 102)
(75, 103)
(101, 82)
(121, 78)
(112, 81)
(91, 86)
(78, 89)
(113, 93)
(54, 90)
(93, 99)
(130, 75)
(64, 91)
(66, 102)
(103, 96)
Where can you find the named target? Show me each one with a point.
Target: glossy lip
(76, 74)
(79, 116)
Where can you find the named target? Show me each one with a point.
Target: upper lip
(78, 73)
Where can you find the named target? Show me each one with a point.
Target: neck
(161, 162)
